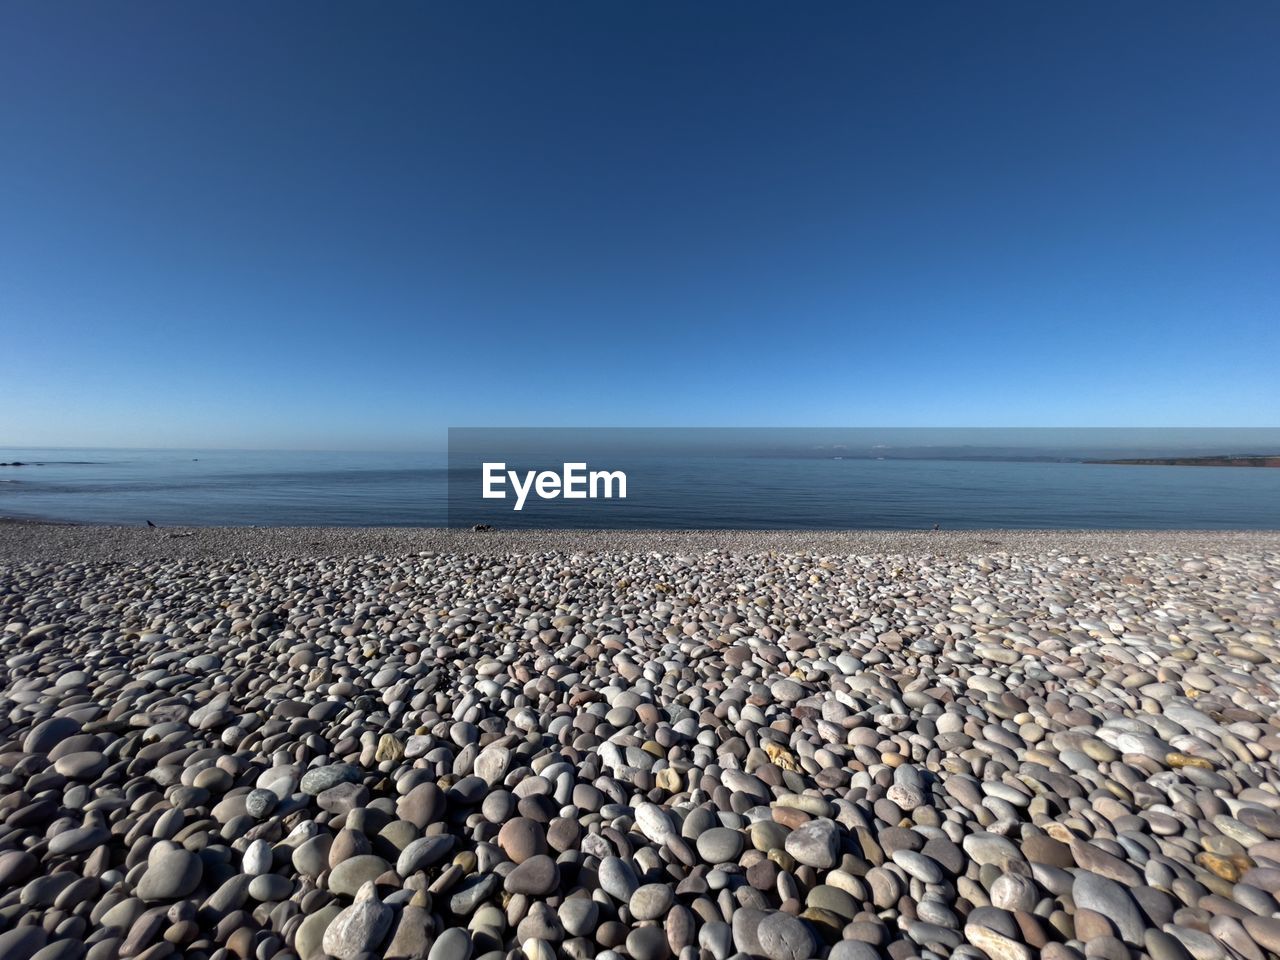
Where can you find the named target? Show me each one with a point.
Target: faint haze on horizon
(548, 443)
(325, 227)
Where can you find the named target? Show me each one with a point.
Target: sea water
(237, 488)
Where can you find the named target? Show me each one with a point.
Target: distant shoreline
(1193, 462)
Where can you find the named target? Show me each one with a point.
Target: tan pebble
(1186, 760)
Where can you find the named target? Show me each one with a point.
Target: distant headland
(1248, 461)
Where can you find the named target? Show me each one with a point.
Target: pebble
(788, 756)
(171, 872)
(648, 943)
(1109, 899)
(353, 873)
(258, 858)
(521, 838)
(919, 866)
(359, 928)
(320, 779)
(784, 937)
(535, 877)
(720, 845)
(815, 844)
(617, 878)
(452, 944)
(651, 901)
(259, 803)
(422, 853)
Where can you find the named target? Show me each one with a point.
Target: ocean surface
(240, 488)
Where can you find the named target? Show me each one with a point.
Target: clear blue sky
(352, 225)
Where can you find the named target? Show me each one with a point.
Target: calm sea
(233, 488)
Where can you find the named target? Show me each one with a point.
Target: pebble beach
(434, 745)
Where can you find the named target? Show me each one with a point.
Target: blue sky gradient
(328, 225)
